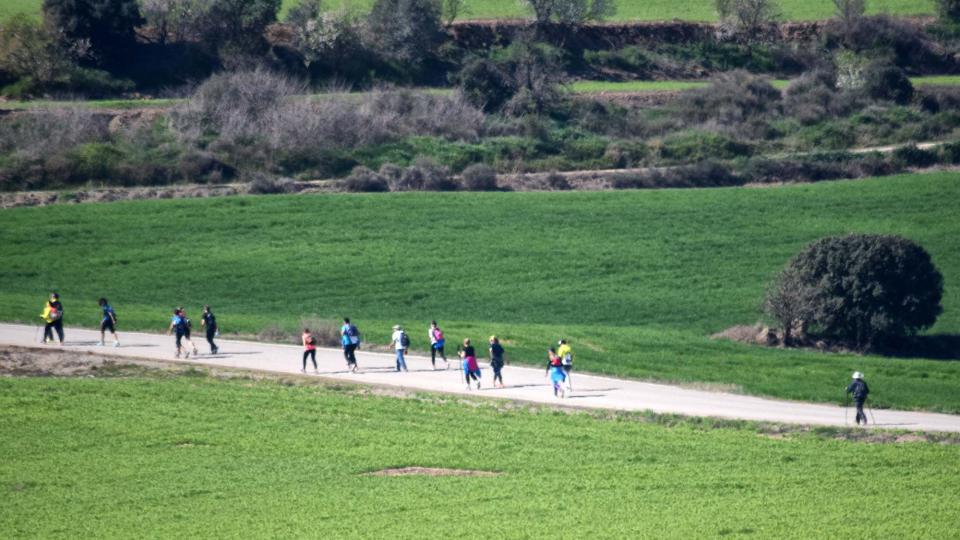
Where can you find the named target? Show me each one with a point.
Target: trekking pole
(872, 419)
(36, 335)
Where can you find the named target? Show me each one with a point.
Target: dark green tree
(864, 290)
(108, 25)
(234, 28)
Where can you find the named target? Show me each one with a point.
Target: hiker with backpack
(209, 323)
(470, 368)
(436, 345)
(108, 321)
(401, 344)
(566, 360)
(350, 340)
(53, 318)
(309, 349)
(496, 361)
(180, 325)
(860, 391)
(556, 373)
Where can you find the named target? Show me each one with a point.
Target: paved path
(523, 383)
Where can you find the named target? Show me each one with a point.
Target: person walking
(556, 373)
(209, 323)
(180, 326)
(108, 321)
(400, 342)
(496, 361)
(858, 387)
(53, 318)
(350, 340)
(309, 349)
(470, 368)
(436, 345)
(565, 352)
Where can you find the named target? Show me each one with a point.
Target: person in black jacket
(209, 323)
(860, 390)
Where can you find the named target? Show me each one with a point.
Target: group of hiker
(559, 359)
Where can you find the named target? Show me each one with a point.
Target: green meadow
(143, 453)
(637, 280)
(627, 10)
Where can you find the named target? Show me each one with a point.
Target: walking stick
(872, 419)
(36, 335)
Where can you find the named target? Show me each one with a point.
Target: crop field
(638, 280)
(148, 452)
(627, 10)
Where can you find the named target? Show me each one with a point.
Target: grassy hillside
(637, 280)
(192, 456)
(627, 10)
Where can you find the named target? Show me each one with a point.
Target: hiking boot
(186, 355)
(100, 344)
(478, 385)
(116, 344)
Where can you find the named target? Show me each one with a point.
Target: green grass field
(151, 455)
(627, 10)
(636, 279)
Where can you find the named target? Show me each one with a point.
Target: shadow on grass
(934, 347)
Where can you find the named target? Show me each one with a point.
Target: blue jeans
(401, 363)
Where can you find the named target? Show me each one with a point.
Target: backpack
(353, 334)
(437, 334)
(112, 315)
(311, 340)
(55, 314)
(404, 340)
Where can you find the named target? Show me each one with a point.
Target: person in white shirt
(400, 342)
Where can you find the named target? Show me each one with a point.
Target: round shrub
(363, 179)
(480, 177)
(863, 290)
(887, 82)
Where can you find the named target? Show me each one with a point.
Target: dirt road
(522, 383)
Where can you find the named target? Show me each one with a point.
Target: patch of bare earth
(430, 471)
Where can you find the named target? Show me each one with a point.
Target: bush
(363, 179)
(887, 82)
(732, 99)
(405, 31)
(426, 175)
(480, 177)
(107, 25)
(949, 10)
(748, 20)
(950, 153)
(484, 84)
(234, 28)
(911, 156)
(864, 290)
(260, 183)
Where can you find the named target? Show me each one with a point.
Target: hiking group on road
(559, 360)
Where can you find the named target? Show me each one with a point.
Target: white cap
(857, 375)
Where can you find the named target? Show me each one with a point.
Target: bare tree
(788, 301)
(748, 20)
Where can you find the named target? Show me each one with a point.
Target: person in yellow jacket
(53, 318)
(565, 352)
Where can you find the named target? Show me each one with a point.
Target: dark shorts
(107, 326)
(180, 336)
(568, 368)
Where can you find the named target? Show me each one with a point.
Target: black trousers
(312, 353)
(50, 327)
(860, 413)
(348, 353)
(433, 355)
(211, 333)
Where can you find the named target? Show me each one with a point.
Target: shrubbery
(863, 290)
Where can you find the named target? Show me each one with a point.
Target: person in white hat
(400, 343)
(858, 387)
